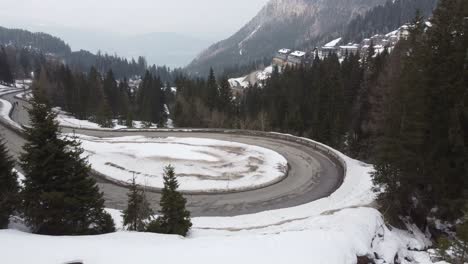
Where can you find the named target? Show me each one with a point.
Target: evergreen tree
(138, 211)
(226, 100)
(174, 219)
(151, 100)
(6, 75)
(104, 115)
(212, 92)
(422, 152)
(111, 92)
(59, 195)
(8, 187)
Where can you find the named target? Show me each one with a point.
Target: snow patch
(202, 165)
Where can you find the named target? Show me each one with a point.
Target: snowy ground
(255, 77)
(265, 74)
(333, 230)
(201, 164)
(239, 82)
(67, 120)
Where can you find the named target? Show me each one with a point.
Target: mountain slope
(281, 23)
(41, 41)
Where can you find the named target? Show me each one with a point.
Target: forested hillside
(81, 61)
(386, 18)
(39, 41)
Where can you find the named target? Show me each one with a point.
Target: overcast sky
(215, 18)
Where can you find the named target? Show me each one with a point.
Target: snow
(333, 43)
(67, 120)
(24, 95)
(203, 165)
(393, 33)
(239, 82)
(298, 53)
(249, 36)
(284, 51)
(265, 74)
(5, 108)
(332, 230)
(349, 47)
(333, 239)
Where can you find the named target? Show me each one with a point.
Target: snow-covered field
(201, 164)
(333, 230)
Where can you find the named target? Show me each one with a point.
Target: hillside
(36, 43)
(281, 23)
(40, 41)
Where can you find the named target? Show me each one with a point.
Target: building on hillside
(403, 32)
(393, 40)
(377, 39)
(281, 57)
(297, 57)
(327, 51)
(349, 49)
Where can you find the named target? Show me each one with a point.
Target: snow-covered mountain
(281, 23)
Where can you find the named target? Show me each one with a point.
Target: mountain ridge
(280, 23)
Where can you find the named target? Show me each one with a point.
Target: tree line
(18, 63)
(103, 99)
(53, 48)
(421, 138)
(316, 101)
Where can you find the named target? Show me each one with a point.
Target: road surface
(312, 175)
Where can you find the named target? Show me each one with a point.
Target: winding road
(313, 175)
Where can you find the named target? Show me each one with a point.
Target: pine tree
(226, 100)
(104, 115)
(422, 154)
(174, 219)
(6, 75)
(138, 211)
(59, 195)
(8, 187)
(212, 92)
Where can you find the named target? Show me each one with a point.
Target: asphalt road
(312, 175)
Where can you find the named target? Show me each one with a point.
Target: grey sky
(207, 18)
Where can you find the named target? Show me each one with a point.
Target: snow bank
(333, 230)
(5, 109)
(202, 165)
(67, 120)
(333, 239)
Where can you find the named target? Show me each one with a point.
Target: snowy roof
(349, 47)
(284, 51)
(393, 33)
(298, 53)
(333, 43)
